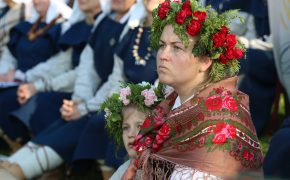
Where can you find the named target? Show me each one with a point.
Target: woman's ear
(206, 62)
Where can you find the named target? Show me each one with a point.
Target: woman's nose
(164, 53)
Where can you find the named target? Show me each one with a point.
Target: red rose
(194, 27)
(200, 117)
(159, 139)
(223, 59)
(146, 123)
(218, 39)
(164, 130)
(180, 17)
(247, 155)
(230, 103)
(231, 131)
(213, 103)
(238, 53)
(187, 8)
(219, 127)
(200, 15)
(219, 139)
(230, 41)
(230, 54)
(224, 30)
(163, 10)
(148, 141)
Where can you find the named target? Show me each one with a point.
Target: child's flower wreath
(143, 95)
(212, 29)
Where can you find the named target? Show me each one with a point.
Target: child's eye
(139, 126)
(125, 128)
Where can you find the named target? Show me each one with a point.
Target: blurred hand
(8, 77)
(69, 110)
(25, 92)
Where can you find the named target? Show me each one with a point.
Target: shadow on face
(132, 121)
(41, 6)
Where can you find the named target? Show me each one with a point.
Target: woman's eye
(160, 46)
(177, 48)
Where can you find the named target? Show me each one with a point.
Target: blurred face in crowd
(41, 6)
(150, 5)
(122, 6)
(88, 6)
(176, 65)
(132, 121)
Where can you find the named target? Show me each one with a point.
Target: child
(125, 113)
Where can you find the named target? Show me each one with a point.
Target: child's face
(132, 120)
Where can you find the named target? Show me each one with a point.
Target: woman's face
(122, 6)
(150, 5)
(176, 65)
(132, 121)
(88, 5)
(41, 6)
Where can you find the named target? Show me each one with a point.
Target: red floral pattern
(220, 133)
(214, 103)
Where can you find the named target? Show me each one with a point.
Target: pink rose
(230, 103)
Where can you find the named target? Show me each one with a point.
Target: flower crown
(143, 95)
(214, 37)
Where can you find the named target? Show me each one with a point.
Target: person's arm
(64, 82)
(109, 87)
(87, 79)
(7, 61)
(54, 66)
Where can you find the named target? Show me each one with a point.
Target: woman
(125, 115)
(31, 42)
(203, 129)
(11, 13)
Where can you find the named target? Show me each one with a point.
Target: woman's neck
(185, 91)
(90, 15)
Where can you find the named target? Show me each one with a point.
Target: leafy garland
(215, 40)
(143, 95)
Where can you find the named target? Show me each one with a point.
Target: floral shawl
(211, 133)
